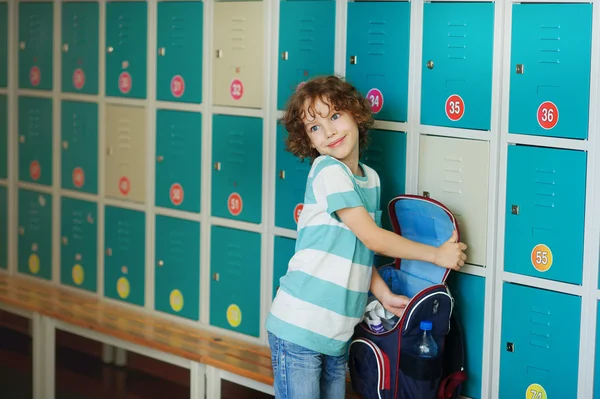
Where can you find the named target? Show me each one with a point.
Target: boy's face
(332, 132)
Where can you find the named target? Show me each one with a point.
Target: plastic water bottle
(425, 345)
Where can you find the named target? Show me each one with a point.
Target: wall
(142, 162)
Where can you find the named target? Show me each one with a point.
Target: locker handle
(65, 145)
(162, 51)
(65, 48)
(282, 174)
(217, 165)
(285, 56)
(109, 151)
(430, 64)
(353, 60)
(22, 45)
(426, 194)
(219, 53)
(215, 276)
(160, 263)
(514, 209)
(520, 69)
(110, 49)
(21, 231)
(510, 347)
(65, 240)
(160, 158)
(108, 252)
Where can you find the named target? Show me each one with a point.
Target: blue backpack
(382, 365)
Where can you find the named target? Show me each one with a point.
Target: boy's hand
(450, 254)
(394, 303)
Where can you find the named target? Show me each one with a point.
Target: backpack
(381, 364)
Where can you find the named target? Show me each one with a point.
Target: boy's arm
(394, 303)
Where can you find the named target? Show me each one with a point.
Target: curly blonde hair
(339, 94)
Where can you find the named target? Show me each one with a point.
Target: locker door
(284, 250)
(4, 44)
(35, 234)
(3, 227)
(455, 172)
(3, 137)
(550, 70)
(545, 211)
(306, 44)
(126, 48)
(177, 270)
(80, 47)
(36, 38)
(125, 254)
(79, 237)
(290, 184)
(35, 140)
(238, 60)
(377, 55)
(539, 327)
(235, 282)
(178, 159)
(126, 152)
(387, 155)
(179, 59)
(237, 168)
(458, 42)
(79, 127)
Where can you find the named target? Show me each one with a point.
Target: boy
(324, 293)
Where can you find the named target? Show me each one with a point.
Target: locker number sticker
(124, 185)
(234, 315)
(177, 86)
(297, 212)
(77, 274)
(455, 107)
(125, 82)
(34, 264)
(541, 258)
(375, 97)
(536, 391)
(176, 194)
(78, 79)
(547, 115)
(78, 177)
(123, 287)
(35, 170)
(176, 300)
(236, 89)
(35, 76)
(235, 204)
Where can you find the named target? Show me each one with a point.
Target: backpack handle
(449, 384)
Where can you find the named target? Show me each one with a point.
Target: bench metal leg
(197, 381)
(213, 383)
(215, 375)
(44, 344)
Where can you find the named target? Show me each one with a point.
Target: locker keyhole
(515, 209)
(430, 64)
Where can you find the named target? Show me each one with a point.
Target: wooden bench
(209, 356)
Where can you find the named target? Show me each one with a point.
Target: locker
(177, 270)
(539, 328)
(238, 63)
(3, 137)
(284, 250)
(545, 211)
(36, 38)
(4, 44)
(178, 159)
(126, 48)
(469, 295)
(290, 184)
(125, 254)
(179, 59)
(126, 152)
(35, 234)
(80, 27)
(455, 172)
(387, 155)
(78, 246)
(458, 45)
(35, 140)
(306, 44)
(79, 145)
(550, 70)
(378, 41)
(3, 227)
(237, 168)
(235, 280)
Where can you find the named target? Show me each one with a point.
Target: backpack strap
(449, 384)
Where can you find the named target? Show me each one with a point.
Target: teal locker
(3, 227)
(290, 184)
(179, 59)
(550, 70)
(126, 48)
(177, 270)
(377, 54)
(306, 44)
(79, 129)
(80, 43)
(36, 38)
(78, 245)
(284, 250)
(458, 46)
(35, 234)
(469, 308)
(4, 44)
(125, 254)
(235, 280)
(545, 211)
(539, 327)
(387, 155)
(3, 137)
(237, 168)
(35, 140)
(178, 159)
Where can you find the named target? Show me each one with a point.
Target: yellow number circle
(541, 258)
(77, 274)
(234, 315)
(34, 263)
(176, 299)
(123, 287)
(535, 391)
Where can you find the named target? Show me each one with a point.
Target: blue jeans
(301, 373)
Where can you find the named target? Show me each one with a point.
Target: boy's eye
(313, 128)
(335, 116)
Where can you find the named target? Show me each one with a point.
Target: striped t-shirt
(324, 293)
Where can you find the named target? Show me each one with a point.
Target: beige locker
(238, 64)
(455, 172)
(126, 153)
